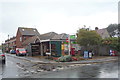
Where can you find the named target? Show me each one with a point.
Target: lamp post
(8, 43)
(2, 46)
(69, 45)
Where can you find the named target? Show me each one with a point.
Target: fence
(97, 50)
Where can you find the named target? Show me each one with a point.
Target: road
(12, 67)
(20, 68)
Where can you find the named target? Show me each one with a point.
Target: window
(20, 38)
(24, 38)
(53, 46)
(23, 29)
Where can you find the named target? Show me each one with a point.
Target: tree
(113, 42)
(86, 37)
(111, 28)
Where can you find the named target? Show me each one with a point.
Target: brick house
(9, 44)
(25, 33)
(12, 43)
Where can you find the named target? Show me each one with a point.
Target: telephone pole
(8, 43)
(69, 43)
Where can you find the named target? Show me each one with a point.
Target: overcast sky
(60, 16)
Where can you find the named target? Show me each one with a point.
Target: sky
(60, 16)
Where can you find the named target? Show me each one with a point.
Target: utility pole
(8, 43)
(2, 46)
(69, 43)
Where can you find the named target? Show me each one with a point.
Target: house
(37, 45)
(9, 44)
(25, 33)
(102, 32)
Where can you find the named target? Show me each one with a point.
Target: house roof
(45, 36)
(103, 33)
(29, 40)
(48, 35)
(28, 31)
(61, 36)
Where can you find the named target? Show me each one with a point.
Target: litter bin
(90, 54)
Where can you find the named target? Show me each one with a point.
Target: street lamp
(8, 43)
(2, 46)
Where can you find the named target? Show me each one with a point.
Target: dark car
(12, 51)
(2, 57)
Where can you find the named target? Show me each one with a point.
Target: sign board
(72, 36)
(86, 54)
(66, 46)
(62, 47)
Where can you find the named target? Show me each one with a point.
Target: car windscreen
(21, 49)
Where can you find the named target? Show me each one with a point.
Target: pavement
(42, 60)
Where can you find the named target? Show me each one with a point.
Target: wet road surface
(105, 70)
(18, 68)
(14, 67)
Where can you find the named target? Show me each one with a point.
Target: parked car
(2, 57)
(12, 51)
(20, 52)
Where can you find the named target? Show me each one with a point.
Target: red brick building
(9, 44)
(23, 34)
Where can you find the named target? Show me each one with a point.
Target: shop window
(53, 49)
(53, 46)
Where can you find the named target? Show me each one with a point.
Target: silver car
(2, 57)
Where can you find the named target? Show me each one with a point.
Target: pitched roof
(30, 40)
(60, 36)
(48, 35)
(45, 36)
(103, 33)
(28, 31)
